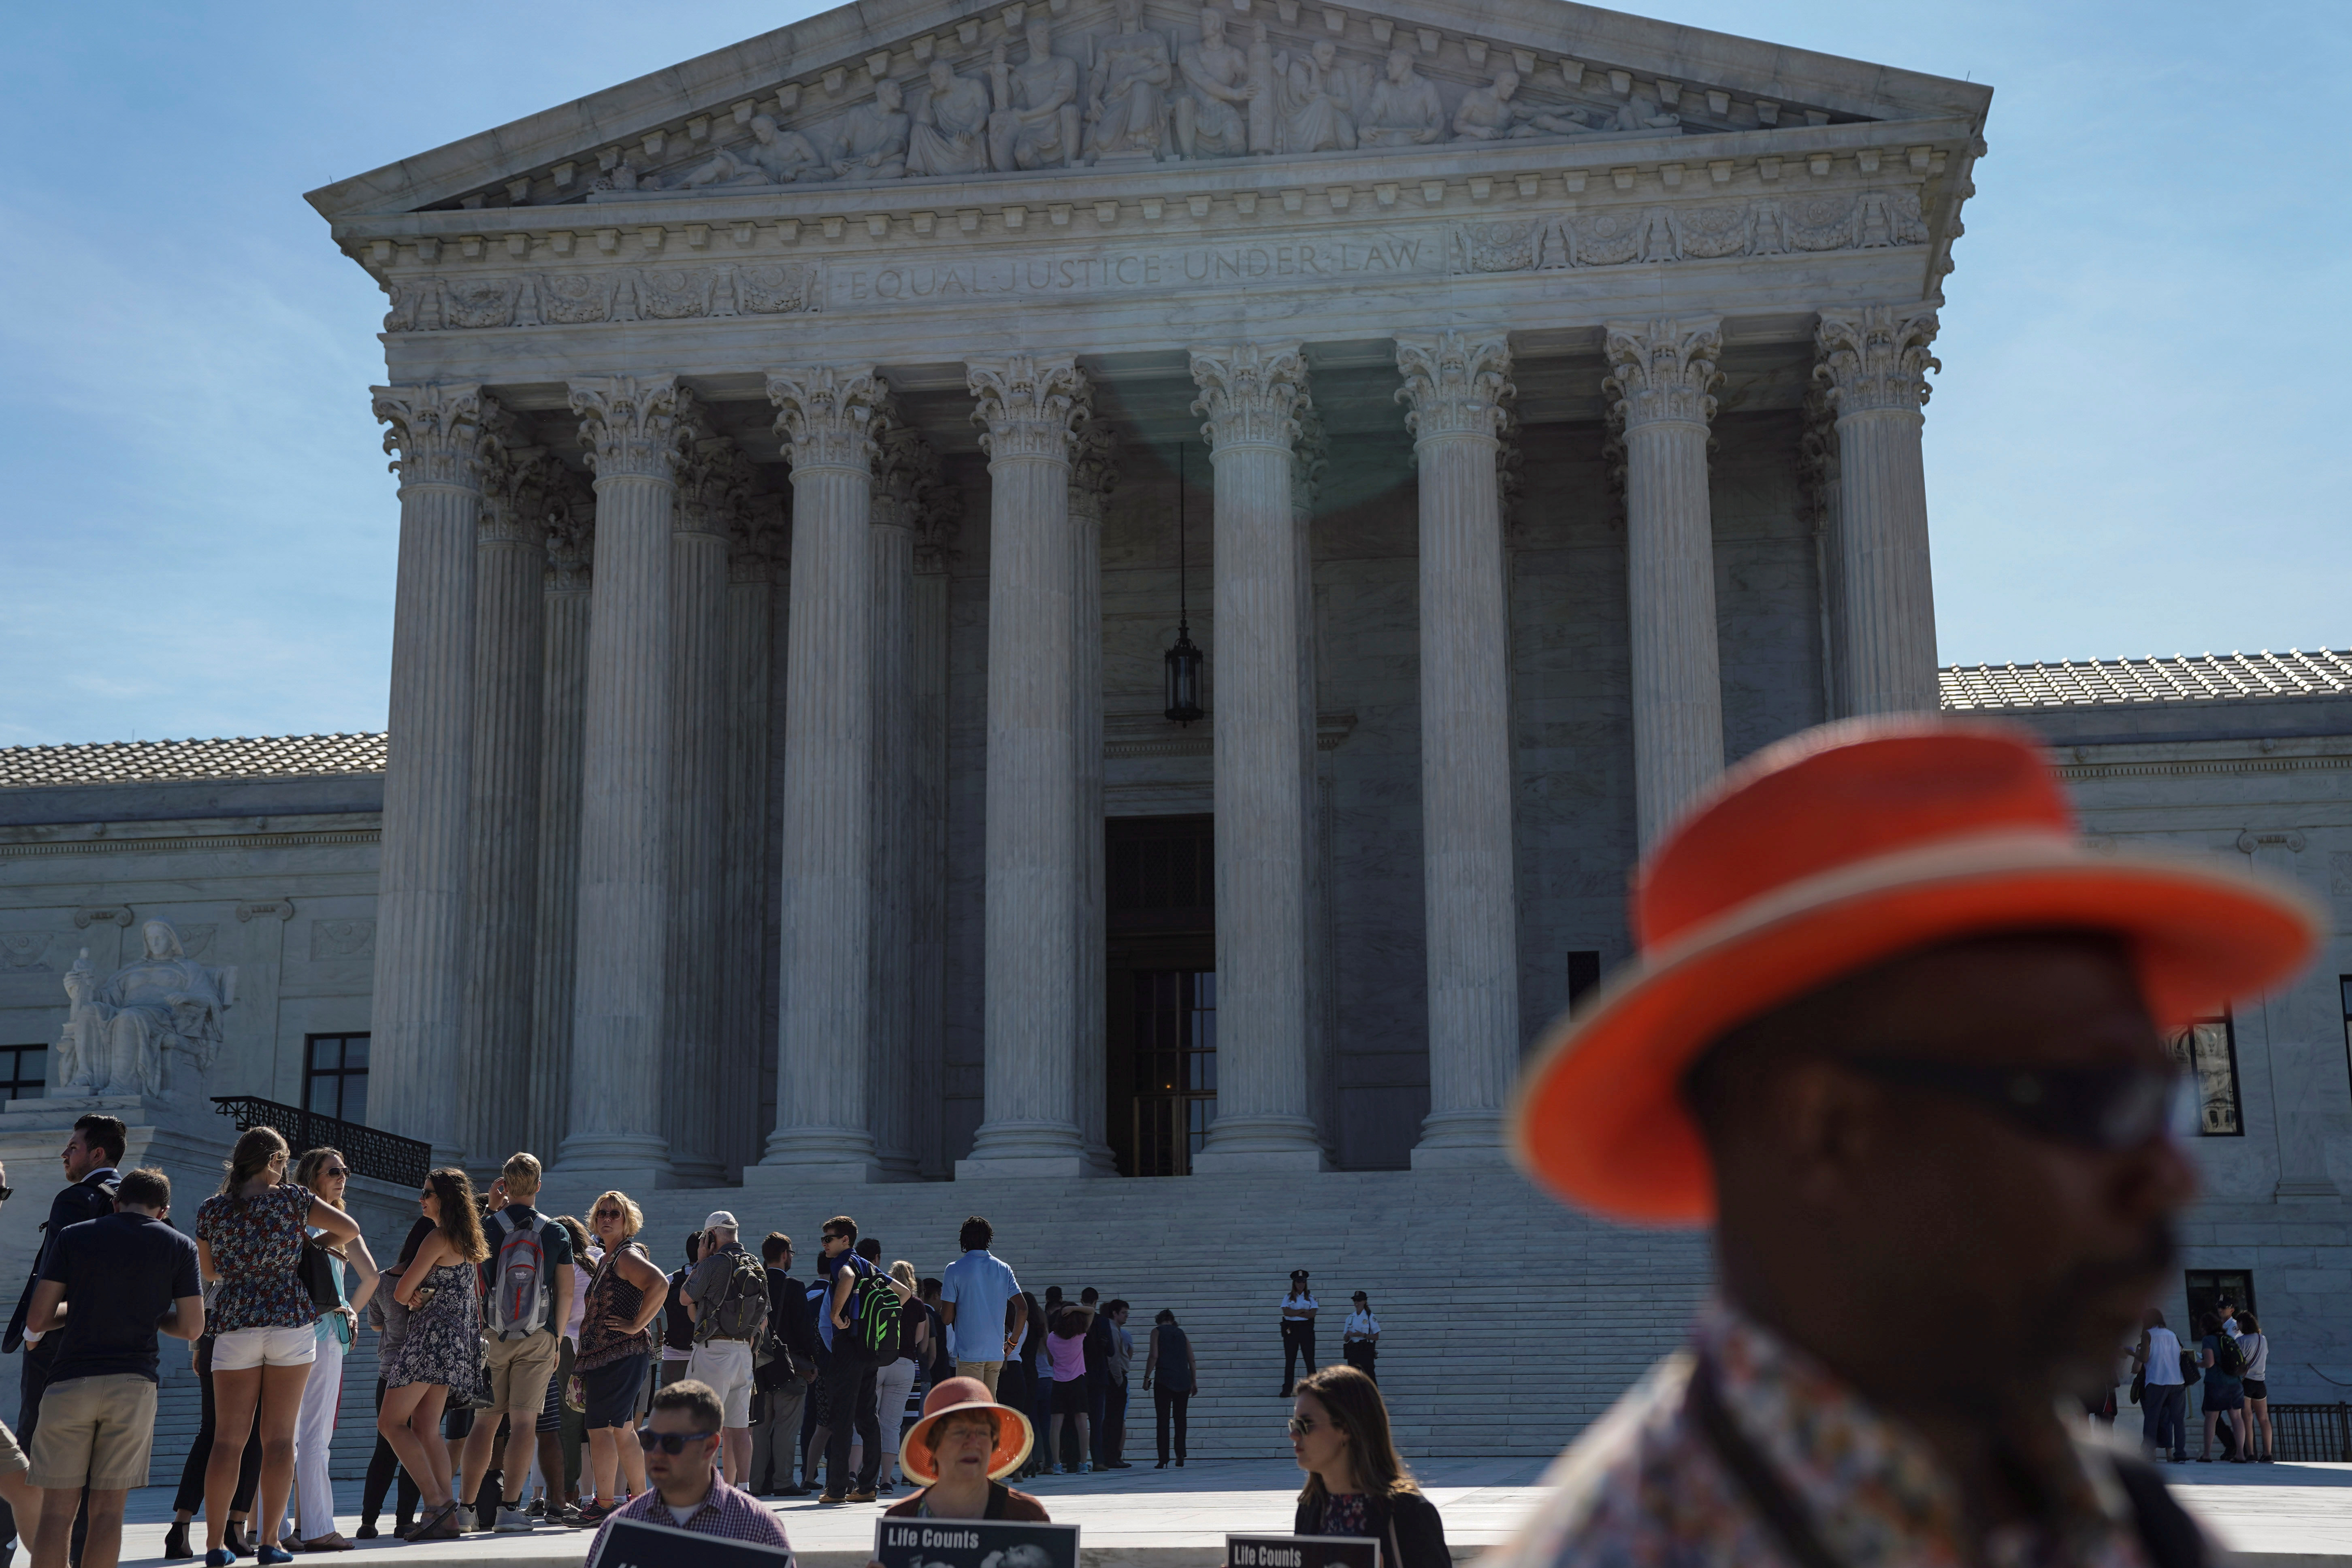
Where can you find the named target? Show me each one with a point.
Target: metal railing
(2321, 1433)
(383, 1156)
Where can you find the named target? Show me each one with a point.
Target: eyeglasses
(609, 1214)
(1301, 1425)
(669, 1442)
(335, 1171)
(2109, 1109)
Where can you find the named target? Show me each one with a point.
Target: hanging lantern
(1184, 662)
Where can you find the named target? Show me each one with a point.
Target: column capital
(942, 521)
(443, 433)
(757, 538)
(1029, 407)
(518, 495)
(714, 480)
(571, 532)
(633, 426)
(1250, 394)
(906, 471)
(1663, 370)
(1309, 458)
(1094, 470)
(1875, 357)
(1510, 483)
(827, 414)
(1455, 383)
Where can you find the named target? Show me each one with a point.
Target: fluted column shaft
(635, 429)
(1034, 861)
(1094, 474)
(827, 421)
(1264, 1119)
(901, 470)
(1875, 360)
(443, 436)
(509, 633)
(1660, 374)
(563, 723)
(743, 926)
(928, 681)
(1306, 464)
(1456, 384)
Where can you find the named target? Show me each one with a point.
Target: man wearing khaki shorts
(111, 1284)
(521, 1355)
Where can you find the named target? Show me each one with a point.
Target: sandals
(428, 1525)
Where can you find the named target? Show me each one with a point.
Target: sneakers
(1085, 1467)
(1057, 1471)
(513, 1521)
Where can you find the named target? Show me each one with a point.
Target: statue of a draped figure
(1127, 107)
(118, 1029)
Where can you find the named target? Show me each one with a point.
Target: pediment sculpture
(118, 1029)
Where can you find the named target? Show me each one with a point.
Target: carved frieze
(1764, 225)
(438, 303)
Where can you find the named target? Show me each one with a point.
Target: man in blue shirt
(973, 1290)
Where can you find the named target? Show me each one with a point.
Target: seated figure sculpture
(775, 157)
(1127, 93)
(1405, 110)
(1486, 113)
(1314, 101)
(874, 137)
(950, 134)
(1035, 125)
(118, 1029)
(1208, 124)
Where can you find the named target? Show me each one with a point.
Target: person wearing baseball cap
(1896, 1033)
(726, 1298)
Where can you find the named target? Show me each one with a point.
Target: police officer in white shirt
(1298, 1310)
(1360, 1340)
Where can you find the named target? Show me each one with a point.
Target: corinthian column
(1875, 360)
(904, 474)
(637, 431)
(1309, 458)
(1250, 394)
(510, 618)
(715, 487)
(744, 928)
(1659, 377)
(928, 681)
(443, 436)
(1456, 386)
(571, 546)
(1094, 474)
(1027, 408)
(827, 423)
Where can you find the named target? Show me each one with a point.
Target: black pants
(1297, 1341)
(1110, 1427)
(33, 1384)
(191, 1497)
(1167, 1406)
(845, 1395)
(1362, 1357)
(385, 1470)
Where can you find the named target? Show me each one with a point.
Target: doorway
(1161, 1012)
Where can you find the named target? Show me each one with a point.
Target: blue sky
(2135, 449)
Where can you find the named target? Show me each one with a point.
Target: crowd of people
(2231, 1366)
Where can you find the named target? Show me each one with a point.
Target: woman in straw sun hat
(964, 1442)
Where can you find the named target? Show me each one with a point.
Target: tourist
(1111, 1439)
(961, 1451)
(616, 1340)
(2164, 1394)
(1357, 1483)
(1896, 1032)
(680, 1442)
(1168, 1357)
(1014, 1389)
(441, 1290)
(1360, 1342)
(2255, 1351)
(1040, 1379)
(779, 1391)
(974, 1293)
(727, 1296)
(895, 1379)
(20, 1500)
(390, 1320)
(2224, 1388)
(942, 1365)
(107, 1287)
(250, 1237)
(190, 1497)
(562, 1431)
(678, 1323)
(325, 1173)
(846, 1386)
(1065, 1344)
(1102, 1344)
(527, 1283)
(1298, 1310)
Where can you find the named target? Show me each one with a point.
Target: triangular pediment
(808, 106)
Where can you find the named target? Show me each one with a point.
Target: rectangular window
(1583, 975)
(24, 1072)
(2209, 1048)
(335, 1083)
(2207, 1289)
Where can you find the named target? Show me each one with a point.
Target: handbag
(317, 1270)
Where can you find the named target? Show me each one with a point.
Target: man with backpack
(526, 1301)
(727, 1297)
(861, 1332)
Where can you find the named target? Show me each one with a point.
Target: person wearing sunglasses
(1897, 1035)
(680, 1442)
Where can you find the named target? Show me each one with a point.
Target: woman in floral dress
(442, 1291)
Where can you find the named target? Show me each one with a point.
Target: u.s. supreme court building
(1078, 609)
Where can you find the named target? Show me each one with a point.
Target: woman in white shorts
(250, 1237)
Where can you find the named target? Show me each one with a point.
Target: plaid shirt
(728, 1513)
(1642, 1489)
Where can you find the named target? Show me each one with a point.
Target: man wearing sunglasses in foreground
(681, 1443)
(1894, 1031)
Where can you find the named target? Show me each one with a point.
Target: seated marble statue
(775, 157)
(950, 134)
(117, 1031)
(1406, 109)
(1035, 125)
(874, 137)
(1127, 93)
(1486, 113)
(1315, 100)
(1208, 123)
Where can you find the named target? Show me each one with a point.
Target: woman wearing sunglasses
(680, 1443)
(617, 1344)
(964, 1442)
(1357, 1483)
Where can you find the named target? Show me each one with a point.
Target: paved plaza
(2274, 1516)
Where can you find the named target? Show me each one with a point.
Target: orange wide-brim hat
(1827, 854)
(920, 1458)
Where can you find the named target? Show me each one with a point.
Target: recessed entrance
(1160, 1015)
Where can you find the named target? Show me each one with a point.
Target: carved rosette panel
(1876, 358)
(906, 471)
(442, 433)
(714, 486)
(1028, 407)
(571, 532)
(755, 541)
(1310, 457)
(1250, 394)
(1663, 370)
(1455, 384)
(633, 424)
(1094, 470)
(827, 415)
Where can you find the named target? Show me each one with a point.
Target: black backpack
(2227, 1360)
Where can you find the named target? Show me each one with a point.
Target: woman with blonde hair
(441, 1290)
(1357, 1483)
(617, 1345)
(893, 1381)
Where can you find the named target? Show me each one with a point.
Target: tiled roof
(124, 761)
(2201, 678)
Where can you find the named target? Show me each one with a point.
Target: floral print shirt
(1643, 1487)
(258, 1252)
